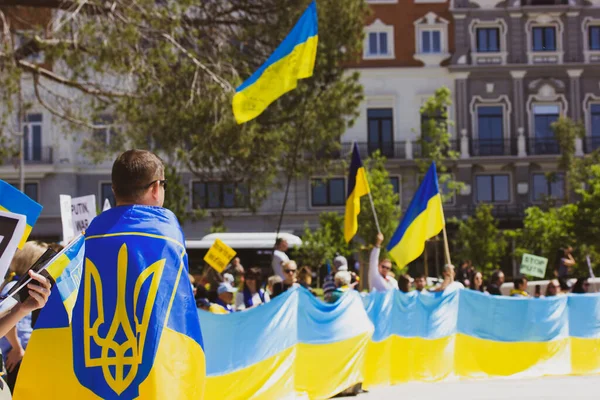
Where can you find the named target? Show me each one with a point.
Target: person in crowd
(449, 283)
(203, 304)
(354, 281)
(56, 247)
(305, 279)
(564, 263)
(225, 294)
(404, 283)
(271, 281)
(14, 342)
(496, 283)
(465, 272)
(520, 287)
(420, 282)
(279, 257)
(252, 293)
(552, 288)
(379, 272)
(235, 268)
(290, 269)
(193, 283)
(581, 286)
(477, 282)
(342, 284)
(339, 264)
(227, 277)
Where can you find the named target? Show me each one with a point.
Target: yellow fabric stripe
(278, 79)
(361, 188)
(69, 304)
(178, 371)
(427, 224)
(57, 267)
(108, 235)
(324, 370)
(272, 378)
(585, 356)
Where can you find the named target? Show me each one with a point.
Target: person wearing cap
(225, 294)
(339, 264)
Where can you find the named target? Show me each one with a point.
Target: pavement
(548, 388)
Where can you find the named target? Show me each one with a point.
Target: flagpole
(446, 248)
(374, 212)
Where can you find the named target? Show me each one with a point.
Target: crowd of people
(237, 289)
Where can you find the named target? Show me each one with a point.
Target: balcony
(505, 212)
(33, 156)
(418, 148)
(493, 147)
(390, 150)
(543, 146)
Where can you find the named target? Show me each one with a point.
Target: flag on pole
(15, 201)
(294, 59)
(423, 219)
(358, 186)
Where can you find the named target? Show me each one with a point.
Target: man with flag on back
(135, 330)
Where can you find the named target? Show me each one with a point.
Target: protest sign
(106, 205)
(533, 265)
(66, 218)
(219, 255)
(12, 228)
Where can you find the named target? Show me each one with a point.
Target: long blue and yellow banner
(297, 346)
(293, 60)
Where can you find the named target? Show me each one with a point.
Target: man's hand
(379, 240)
(14, 357)
(38, 294)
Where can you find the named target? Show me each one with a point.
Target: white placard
(106, 205)
(83, 211)
(12, 228)
(66, 218)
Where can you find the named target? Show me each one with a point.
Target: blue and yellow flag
(294, 59)
(423, 219)
(358, 186)
(135, 331)
(15, 201)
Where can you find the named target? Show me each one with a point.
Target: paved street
(571, 388)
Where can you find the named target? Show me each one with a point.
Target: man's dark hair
(420, 275)
(495, 276)
(132, 173)
(278, 241)
(519, 282)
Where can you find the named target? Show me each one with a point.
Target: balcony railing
(500, 211)
(591, 143)
(390, 150)
(493, 147)
(418, 148)
(34, 156)
(543, 146)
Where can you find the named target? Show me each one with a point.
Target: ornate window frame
(379, 27)
(545, 57)
(431, 21)
(489, 58)
(590, 56)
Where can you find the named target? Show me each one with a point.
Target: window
(490, 130)
(544, 115)
(544, 38)
(594, 38)
(431, 41)
(378, 44)
(488, 40)
(493, 188)
(219, 195)
(328, 192)
(32, 132)
(395, 181)
(594, 139)
(108, 133)
(107, 193)
(380, 131)
(548, 186)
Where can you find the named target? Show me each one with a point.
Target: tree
(479, 239)
(166, 73)
(322, 244)
(566, 131)
(435, 141)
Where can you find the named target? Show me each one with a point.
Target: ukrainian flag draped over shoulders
(135, 331)
(294, 59)
(358, 186)
(423, 219)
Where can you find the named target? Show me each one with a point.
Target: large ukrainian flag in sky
(423, 219)
(135, 331)
(294, 59)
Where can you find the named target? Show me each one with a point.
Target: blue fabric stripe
(584, 315)
(428, 188)
(355, 165)
(305, 28)
(18, 202)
